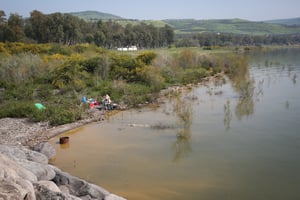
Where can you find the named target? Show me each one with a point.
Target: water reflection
(183, 110)
(227, 115)
(64, 146)
(243, 85)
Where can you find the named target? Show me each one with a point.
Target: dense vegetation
(68, 29)
(58, 76)
(56, 59)
(208, 40)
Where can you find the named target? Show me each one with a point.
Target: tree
(4, 30)
(15, 25)
(37, 28)
(168, 34)
(72, 32)
(55, 23)
(2, 17)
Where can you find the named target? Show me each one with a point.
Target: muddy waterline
(242, 142)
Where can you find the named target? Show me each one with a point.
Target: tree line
(67, 29)
(228, 39)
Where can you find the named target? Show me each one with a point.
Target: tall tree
(4, 30)
(37, 28)
(15, 24)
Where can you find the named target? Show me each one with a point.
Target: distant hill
(184, 26)
(236, 26)
(94, 15)
(289, 22)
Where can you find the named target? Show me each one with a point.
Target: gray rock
(11, 169)
(16, 189)
(64, 189)
(9, 190)
(41, 171)
(45, 148)
(21, 153)
(86, 197)
(27, 187)
(50, 185)
(79, 187)
(43, 193)
(25, 174)
(12, 152)
(113, 197)
(34, 162)
(35, 156)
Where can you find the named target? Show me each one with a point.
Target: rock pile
(26, 174)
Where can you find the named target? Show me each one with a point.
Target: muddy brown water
(241, 142)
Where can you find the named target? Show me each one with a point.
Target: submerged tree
(182, 145)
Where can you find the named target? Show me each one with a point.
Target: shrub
(194, 75)
(134, 94)
(59, 115)
(21, 68)
(147, 57)
(152, 76)
(59, 49)
(17, 109)
(172, 74)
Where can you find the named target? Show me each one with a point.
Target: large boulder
(20, 153)
(41, 171)
(16, 189)
(42, 192)
(50, 185)
(25, 174)
(81, 188)
(45, 148)
(11, 169)
(10, 190)
(34, 162)
(15, 181)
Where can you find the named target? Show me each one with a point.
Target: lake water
(241, 140)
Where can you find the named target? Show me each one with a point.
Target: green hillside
(289, 22)
(236, 26)
(184, 26)
(94, 15)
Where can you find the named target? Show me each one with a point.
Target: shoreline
(22, 132)
(24, 135)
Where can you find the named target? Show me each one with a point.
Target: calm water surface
(243, 141)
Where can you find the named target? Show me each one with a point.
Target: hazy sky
(255, 10)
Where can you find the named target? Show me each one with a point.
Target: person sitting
(107, 102)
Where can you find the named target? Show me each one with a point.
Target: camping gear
(40, 106)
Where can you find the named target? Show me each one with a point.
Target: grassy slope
(94, 15)
(236, 26)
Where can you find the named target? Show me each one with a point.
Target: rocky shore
(24, 169)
